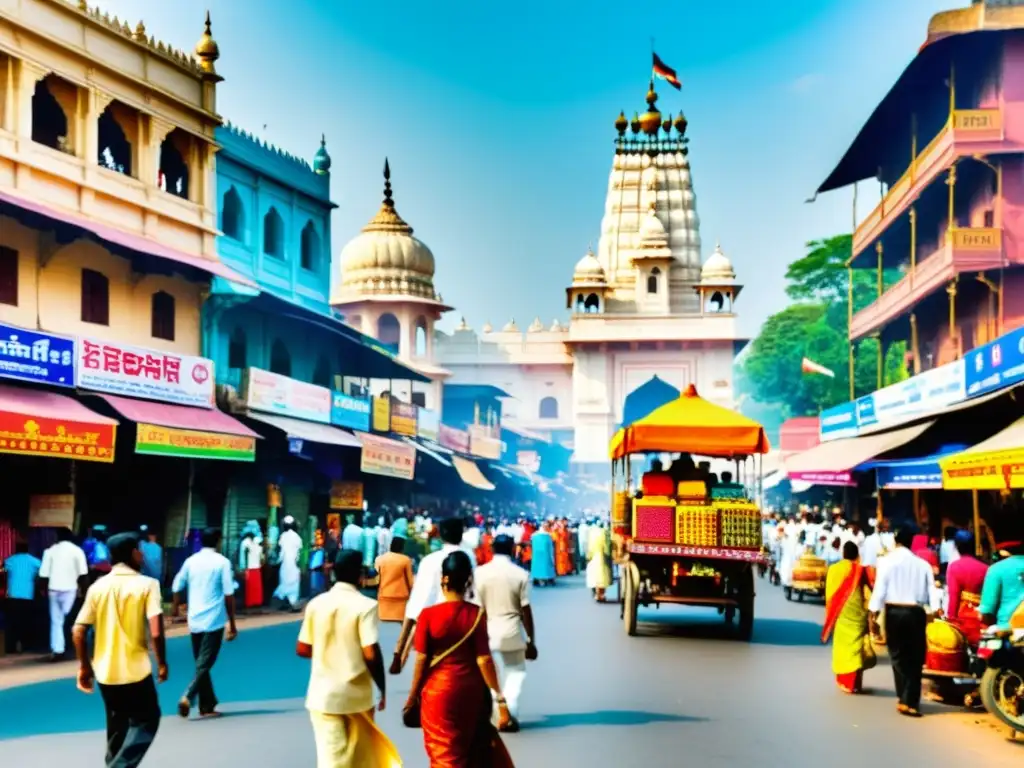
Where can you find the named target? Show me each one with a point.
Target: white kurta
(289, 576)
(791, 551)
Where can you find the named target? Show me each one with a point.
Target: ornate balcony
(966, 250)
(967, 132)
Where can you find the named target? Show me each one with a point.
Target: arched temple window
(174, 176)
(310, 247)
(389, 331)
(421, 337)
(652, 280)
(49, 122)
(115, 150)
(280, 359)
(593, 304)
(549, 408)
(232, 215)
(273, 234)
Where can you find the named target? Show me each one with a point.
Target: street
(683, 693)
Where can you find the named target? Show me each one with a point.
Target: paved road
(683, 693)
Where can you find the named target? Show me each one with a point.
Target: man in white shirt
(503, 589)
(64, 572)
(340, 633)
(290, 546)
(426, 589)
(904, 590)
(352, 536)
(875, 545)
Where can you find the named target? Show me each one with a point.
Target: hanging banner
(428, 424)
(403, 418)
(919, 395)
(35, 356)
(59, 438)
(382, 414)
(453, 439)
(482, 444)
(155, 440)
(390, 458)
(51, 511)
(272, 393)
(346, 494)
(119, 369)
(996, 365)
(350, 412)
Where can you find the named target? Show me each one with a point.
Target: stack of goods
(809, 573)
(692, 492)
(620, 509)
(653, 521)
(947, 648)
(697, 526)
(741, 524)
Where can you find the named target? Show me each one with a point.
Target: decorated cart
(808, 578)
(699, 546)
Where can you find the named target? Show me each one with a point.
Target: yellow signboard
(382, 414)
(346, 495)
(984, 471)
(193, 444)
(51, 510)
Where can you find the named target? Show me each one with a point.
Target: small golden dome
(635, 123)
(207, 50)
(652, 97)
(650, 122)
(681, 123)
(666, 126)
(621, 123)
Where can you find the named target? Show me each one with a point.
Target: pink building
(946, 145)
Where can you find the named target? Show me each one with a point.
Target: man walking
(340, 633)
(22, 627)
(64, 572)
(503, 589)
(903, 590)
(124, 609)
(210, 586)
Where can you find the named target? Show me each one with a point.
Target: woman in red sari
(846, 620)
(454, 678)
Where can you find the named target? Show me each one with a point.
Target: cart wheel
(788, 592)
(630, 580)
(746, 607)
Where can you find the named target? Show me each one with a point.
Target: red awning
(178, 416)
(38, 423)
(138, 243)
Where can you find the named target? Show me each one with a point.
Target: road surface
(683, 693)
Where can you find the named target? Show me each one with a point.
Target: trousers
(133, 717)
(205, 649)
(905, 638)
(512, 672)
(22, 630)
(61, 603)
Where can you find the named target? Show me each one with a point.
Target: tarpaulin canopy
(690, 424)
(992, 465)
(921, 473)
(471, 475)
(646, 398)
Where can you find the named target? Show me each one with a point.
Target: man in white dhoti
(792, 549)
(289, 577)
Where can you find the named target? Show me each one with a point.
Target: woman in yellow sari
(846, 620)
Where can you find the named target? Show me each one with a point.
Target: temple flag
(665, 72)
(809, 366)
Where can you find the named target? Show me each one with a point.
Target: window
(421, 337)
(273, 234)
(592, 304)
(322, 372)
(652, 280)
(580, 309)
(49, 123)
(237, 349)
(232, 216)
(389, 331)
(95, 298)
(115, 151)
(163, 316)
(990, 219)
(419, 399)
(280, 359)
(310, 247)
(173, 175)
(8, 276)
(549, 408)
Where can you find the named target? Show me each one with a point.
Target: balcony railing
(962, 134)
(965, 250)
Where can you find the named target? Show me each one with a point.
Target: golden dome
(207, 48)
(666, 125)
(621, 123)
(650, 121)
(635, 123)
(681, 123)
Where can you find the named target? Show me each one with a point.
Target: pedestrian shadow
(607, 717)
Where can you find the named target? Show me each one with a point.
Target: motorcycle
(1002, 683)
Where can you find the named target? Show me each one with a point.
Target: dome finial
(207, 50)
(322, 160)
(388, 201)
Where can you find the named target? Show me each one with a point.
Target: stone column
(28, 74)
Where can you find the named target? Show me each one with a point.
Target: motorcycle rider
(1002, 596)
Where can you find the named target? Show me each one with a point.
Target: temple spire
(388, 201)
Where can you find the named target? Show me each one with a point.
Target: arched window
(115, 151)
(273, 234)
(421, 337)
(280, 359)
(232, 215)
(580, 309)
(49, 122)
(389, 331)
(592, 304)
(237, 349)
(549, 408)
(163, 316)
(95, 297)
(652, 280)
(310, 246)
(173, 176)
(322, 372)
(717, 302)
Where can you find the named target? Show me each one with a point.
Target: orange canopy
(690, 424)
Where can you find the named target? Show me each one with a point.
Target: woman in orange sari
(563, 566)
(455, 678)
(846, 620)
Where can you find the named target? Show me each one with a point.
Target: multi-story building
(946, 146)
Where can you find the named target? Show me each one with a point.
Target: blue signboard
(996, 365)
(866, 415)
(350, 412)
(36, 356)
(838, 422)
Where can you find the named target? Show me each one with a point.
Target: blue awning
(921, 473)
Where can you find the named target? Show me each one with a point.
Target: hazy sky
(498, 119)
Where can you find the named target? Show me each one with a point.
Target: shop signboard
(482, 444)
(55, 510)
(346, 494)
(842, 479)
(38, 357)
(273, 393)
(120, 369)
(350, 412)
(996, 365)
(59, 438)
(839, 422)
(866, 411)
(382, 414)
(528, 460)
(919, 395)
(428, 424)
(453, 439)
(390, 458)
(403, 418)
(156, 440)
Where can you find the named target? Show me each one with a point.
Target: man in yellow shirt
(120, 607)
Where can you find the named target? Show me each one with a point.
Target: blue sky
(498, 119)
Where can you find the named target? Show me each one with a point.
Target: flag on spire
(665, 72)
(809, 366)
